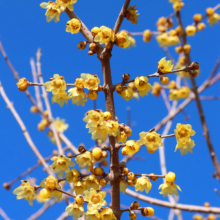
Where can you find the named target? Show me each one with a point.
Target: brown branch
(41, 84)
(199, 105)
(121, 16)
(189, 208)
(24, 130)
(43, 209)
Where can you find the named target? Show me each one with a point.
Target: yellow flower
(123, 186)
(79, 187)
(73, 26)
(132, 14)
(121, 137)
(147, 36)
(94, 118)
(84, 160)
(142, 85)
(53, 11)
(163, 40)
(122, 39)
(132, 41)
(75, 210)
(92, 181)
(66, 4)
(105, 35)
(56, 85)
(174, 94)
(113, 128)
(174, 1)
(91, 82)
(95, 200)
(60, 164)
(143, 183)
(92, 215)
(156, 89)
(173, 40)
(107, 214)
(22, 84)
(197, 217)
(72, 176)
(60, 124)
(25, 191)
(78, 96)
(132, 147)
(213, 19)
(165, 66)
(190, 30)
(169, 189)
(151, 140)
(60, 98)
(127, 93)
(99, 132)
(182, 74)
(183, 134)
(178, 5)
(51, 183)
(183, 92)
(79, 83)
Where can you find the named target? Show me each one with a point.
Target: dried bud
(153, 178)
(104, 163)
(104, 154)
(92, 47)
(81, 149)
(103, 182)
(169, 22)
(100, 88)
(90, 52)
(7, 186)
(122, 165)
(82, 45)
(135, 205)
(126, 77)
(193, 73)
(34, 109)
(194, 65)
(128, 131)
(22, 84)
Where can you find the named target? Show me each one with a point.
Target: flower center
(95, 199)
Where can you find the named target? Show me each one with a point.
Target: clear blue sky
(23, 29)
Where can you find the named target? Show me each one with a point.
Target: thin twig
(3, 214)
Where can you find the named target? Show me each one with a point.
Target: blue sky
(23, 29)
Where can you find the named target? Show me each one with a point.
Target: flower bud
(55, 152)
(170, 177)
(104, 163)
(211, 217)
(210, 11)
(153, 178)
(90, 52)
(99, 88)
(179, 49)
(93, 94)
(147, 36)
(103, 182)
(92, 47)
(201, 26)
(81, 149)
(123, 151)
(107, 116)
(132, 215)
(45, 193)
(197, 17)
(6, 186)
(95, 31)
(108, 45)
(79, 199)
(126, 77)
(194, 65)
(96, 153)
(22, 84)
(135, 205)
(34, 109)
(187, 48)
(207, 204)
(173, 32)
(161, 28)
(118, 87)
(82, 45)
(104, 154)
(130, 176)
(148, 211)
(164, 80)
(125, 171)
(179, 30)
(98, 171)
(41, 126)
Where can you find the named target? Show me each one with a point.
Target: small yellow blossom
(107, 214)
(91, 82)
(95, 200)
(92, 181)
(113, 128)
(25, 191)
(95, 31)
(197, 217)
(132, 147)
(79, 187)
(165, 66)
(79, 83)
(93, 94)
(169, 189)
(123, 186)
(174, 94)
(72, 176)
(84, 160)
(60, 98)
(22, 84)
(156, 89)
(75, 210)
(122, 39)
(200, 26)
(53, 11)
(132, 14)
(190, 30)
(178, 5)
(132, 41)
(165, 40)
(60, 124)
(121, 137)
(147, 36)
(94, 118)
(78, 96)
(142, 85)
(61, 164)
(143, 183)
(174, 1)
(105, 35)
(56, 85)
(183, 92)
(99, 132)
(214, 19)
(92, 215)
(183, 134)
(127, 93)
(151, 140)
(66, 4)
(73, 26)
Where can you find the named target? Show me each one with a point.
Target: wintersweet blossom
(132, 147)
(122, 39)
(123, 186)
(72, 176)
(105, 35)
(66, 4)
(84, 160)
(92, 214)
(79, 187)
(132, 14)
(95, 199)
(127, 93)
(143, 183)
(107, 214)
(183, 92)
(169, 189)
(142, 85)
(25, 191)
(100, 132)
(213, 19)
(156, 89)
(61, 164)
(56, 85)
(92, 182)
(53, 11)
(78, 96)
(113, 128)
(165, 66)
(73, 26)
(60, 124)
(94, 118)
(91, 82)
(75, 210)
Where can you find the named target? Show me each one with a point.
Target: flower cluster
(181, 93)
(100, 124)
